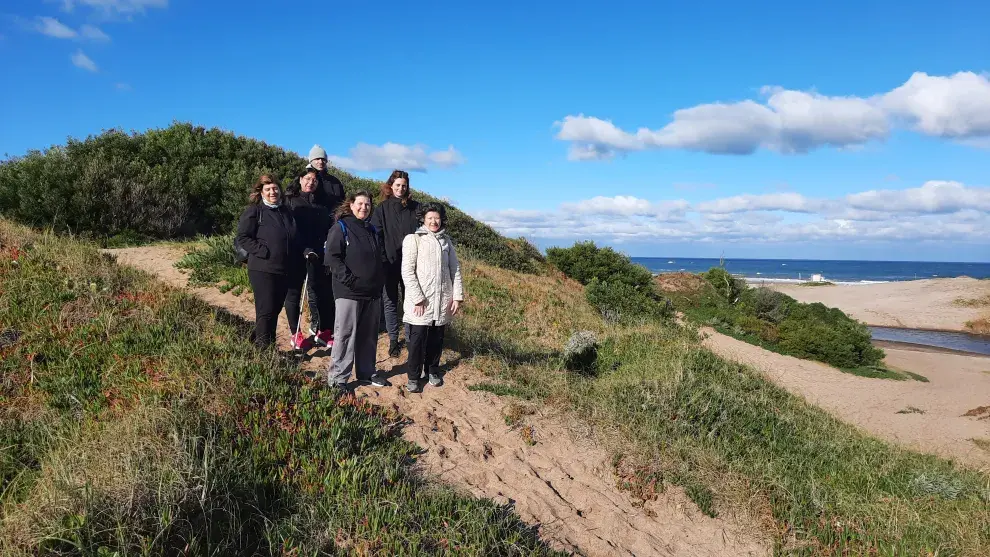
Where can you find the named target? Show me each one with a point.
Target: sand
(564, 483)
(957, 385)
(915, 304)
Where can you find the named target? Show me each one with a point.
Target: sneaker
(379, 380)
(299, 341)
(324, 337)
(436, 380)
(414, 387)
(394, 350)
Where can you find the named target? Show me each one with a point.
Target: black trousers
(425, 347)
(319, 297)
(269, 296)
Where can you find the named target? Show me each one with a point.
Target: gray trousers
(355, 340)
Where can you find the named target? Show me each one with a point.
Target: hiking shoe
(323, 338)
(340, 389)
(379, 380)
(414, 387)
(394, 349)
(436, 380)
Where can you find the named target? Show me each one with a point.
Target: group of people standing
(356, 264)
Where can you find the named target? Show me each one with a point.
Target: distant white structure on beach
(817, 277)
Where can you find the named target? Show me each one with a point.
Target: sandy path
(957, 384)
(564, 483)
(920, 304)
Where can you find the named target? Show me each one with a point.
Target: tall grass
(732, 439)
(136, 420)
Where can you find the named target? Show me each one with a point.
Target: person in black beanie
(268, 232)
(313, 223)
(395, 217)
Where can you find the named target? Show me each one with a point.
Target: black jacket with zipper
(357, 263)
(312, 220)
(274, 246)
(395, 222)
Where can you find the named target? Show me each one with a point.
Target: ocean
(800, 270)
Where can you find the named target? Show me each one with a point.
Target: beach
(914, 304)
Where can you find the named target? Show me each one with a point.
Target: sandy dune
(916, 304)
(957, 384)
(564, 483)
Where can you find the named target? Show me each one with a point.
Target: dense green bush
(778, 322)
(585, 262)
(726, 285)
(619, 302)
(182, 181)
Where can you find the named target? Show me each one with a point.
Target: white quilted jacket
(431, 272)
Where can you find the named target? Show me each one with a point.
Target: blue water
(942, 339)
(787, 270)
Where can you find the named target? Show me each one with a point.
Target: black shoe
(414, 387)
(394, 350)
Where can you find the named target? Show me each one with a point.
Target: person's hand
(455, 306)
(420, 309)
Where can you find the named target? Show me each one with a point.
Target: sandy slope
(564, 482)
(957, 385)
(923, 304)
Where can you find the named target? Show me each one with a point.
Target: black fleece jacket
(357, 263)
(329, 192)
(312, 220)
(274, 246)
(395, 222)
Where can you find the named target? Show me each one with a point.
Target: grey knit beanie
(317, 152)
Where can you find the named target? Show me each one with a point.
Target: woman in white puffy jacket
(434, 293)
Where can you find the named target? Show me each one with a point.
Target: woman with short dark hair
(313, 222)
(355, 255)
(267, 231)
(395, 217)
(434, 293)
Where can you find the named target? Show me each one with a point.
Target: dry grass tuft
(680, 282)
(979, 326)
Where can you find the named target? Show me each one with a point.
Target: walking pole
(301, 341)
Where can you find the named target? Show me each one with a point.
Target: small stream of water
(941, 339)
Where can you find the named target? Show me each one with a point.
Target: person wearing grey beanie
(330, 192)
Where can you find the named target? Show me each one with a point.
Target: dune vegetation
(139, 420)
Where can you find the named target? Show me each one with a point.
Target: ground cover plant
(674, 413)
(137, 420)
(180, 181)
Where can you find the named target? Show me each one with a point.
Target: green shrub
(621, 302)
(181, 181)
(766, 304)
(585, 262)
(825, 334)
(727, 286)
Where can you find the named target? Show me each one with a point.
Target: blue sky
(840, 131)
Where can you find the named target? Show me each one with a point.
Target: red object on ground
(325, 337)
(300, 341)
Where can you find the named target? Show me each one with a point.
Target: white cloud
(933, 197)
(937, 211)
(957, 106)
(54, 28)
(791, 121)
(93, 33)
(115, 7)
(122, 86)
(80, 60)
(413, 158)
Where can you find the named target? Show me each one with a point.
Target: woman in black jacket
(267, 231)
(313, 223)
(395, 217)
(355, 253)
